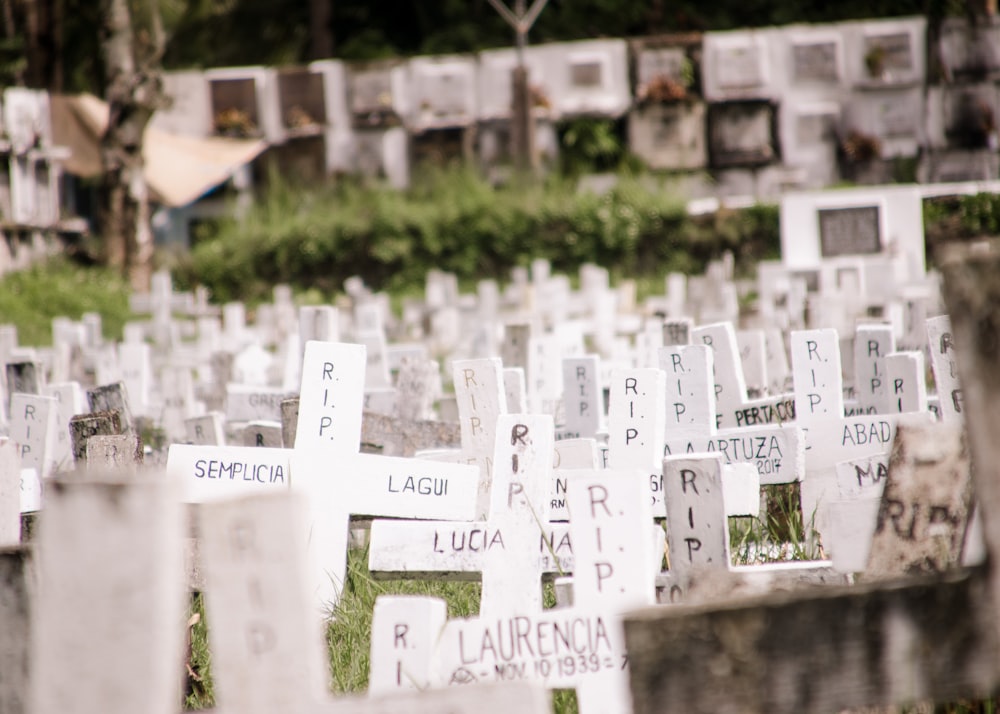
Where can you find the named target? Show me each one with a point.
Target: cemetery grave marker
(340, 482)
(206, 430)
(33, 428)
(116, 453)
(926, 504)
(11, 497)
(941, 344)
(69, 402)
(119, 583)
(84, 426)
(481, 398)
(17, 605)
(392, 436)
(266, 649)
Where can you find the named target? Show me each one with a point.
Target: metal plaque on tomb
(849, 231)
(815, 62)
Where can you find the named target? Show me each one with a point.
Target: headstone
(942, 350)
(404, 634)
(84, 426)
(17, 605)
(266, 649)
(112, 397)
(637, 424)
(332, 395)
(10, 495)
(263, 433)
(245, 403)
(206, 430)
(583, 397)
(698, 536)
(120, 453)
(33, 428)
(907, 382)
(816, 368)
(23, 377)
(481, 398)
(69, 402)
(872, 344)
(289, 421)
(926, 505)
(120, 583)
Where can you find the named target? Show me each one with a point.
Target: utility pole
(522, 126)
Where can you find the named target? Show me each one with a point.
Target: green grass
(30, 299)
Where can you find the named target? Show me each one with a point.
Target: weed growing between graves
(30, 299)
(349, 631)
(198, 691)
(781, 534)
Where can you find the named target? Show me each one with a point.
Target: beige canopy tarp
(178, 169)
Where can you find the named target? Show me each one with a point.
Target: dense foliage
(459, 223)
(30, 299)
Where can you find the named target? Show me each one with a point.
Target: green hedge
(457, 222)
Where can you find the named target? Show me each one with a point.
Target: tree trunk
(132, 46)
(320, 30)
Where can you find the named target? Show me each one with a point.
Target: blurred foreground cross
(932, 637)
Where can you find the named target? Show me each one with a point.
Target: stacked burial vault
(800, 106)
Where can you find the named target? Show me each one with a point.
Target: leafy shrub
(455, 221)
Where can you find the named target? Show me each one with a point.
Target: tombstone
(583, 397)
(263, 433)
(23, 377)
(11, 495)
(112, 397)
(872, 344)
(289, 421)
(83, 426)
(206, 430)
(926, 505)
(122, 581)
(481, 398)
(403, 637)
(119, 453)
(266, 650)
(33, 428)
(907, 382)
(137, 368)
(677, 331)
(698, 536)
(17, 605)
(246, 403)
(398, 437)
(949, 391)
